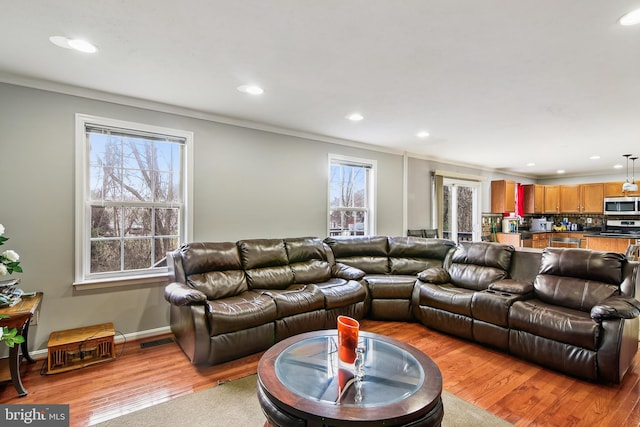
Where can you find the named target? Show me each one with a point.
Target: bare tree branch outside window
(135, 199)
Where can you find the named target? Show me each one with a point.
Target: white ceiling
(497, 83)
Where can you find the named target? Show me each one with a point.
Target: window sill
(121, 282)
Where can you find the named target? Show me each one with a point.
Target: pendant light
(630, 186)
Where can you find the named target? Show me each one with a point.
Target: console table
(19, 317)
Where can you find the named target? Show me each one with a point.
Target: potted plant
(9, 264)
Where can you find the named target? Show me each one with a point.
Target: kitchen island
(588, 240)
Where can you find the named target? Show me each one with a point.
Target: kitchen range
(622, 228)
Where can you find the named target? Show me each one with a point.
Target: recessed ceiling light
(75, 44)
(423, 134)
(251, 89)
(617, 166)
(531, 164)
(355, 117)
(631, 18)
(596, 157)
(560, 171)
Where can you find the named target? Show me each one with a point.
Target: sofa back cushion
(578, 278)
(265, 263)
(475, 265)
(308, 260)
(411, 255)
(368, 253)
(214, 268)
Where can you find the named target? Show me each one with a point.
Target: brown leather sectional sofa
(572, 310)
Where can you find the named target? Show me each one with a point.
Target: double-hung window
(133, 188)
(351, 196)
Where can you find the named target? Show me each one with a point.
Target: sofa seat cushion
(554, 322)
(341, 292)
(247, 310)
(390, 286)
(446, 297)
(296, 299)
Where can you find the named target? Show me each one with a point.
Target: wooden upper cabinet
(503, 196)
(533, 198)
(552, 198)
(570, 198)
(613, 189)
(582, 198)
(592, 198)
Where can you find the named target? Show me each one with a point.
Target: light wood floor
(520, 392)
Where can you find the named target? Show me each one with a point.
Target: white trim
(119, 339)
(85, 285)
(456, 175)
(405, 193)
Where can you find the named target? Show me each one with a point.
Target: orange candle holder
(347, 338)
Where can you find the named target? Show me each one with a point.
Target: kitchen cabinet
(569, 198)
(609, 244)
(576, 239)
(592, 198)
(503, 196)
(614, 189)
(533, 198)
(540, 240)
(552, 198)
(582, 198)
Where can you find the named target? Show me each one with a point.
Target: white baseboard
(119, 339)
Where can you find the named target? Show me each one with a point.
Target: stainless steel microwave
(622, 205)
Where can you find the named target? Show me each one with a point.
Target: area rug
(234, 403)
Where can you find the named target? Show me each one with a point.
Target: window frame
(371, 187)
(83, 277)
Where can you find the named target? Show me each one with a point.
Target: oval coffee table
(298, 384)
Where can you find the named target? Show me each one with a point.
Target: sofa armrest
(435, 275)
(512, 286)
(619, 306)
(344, 271)
(181, 294)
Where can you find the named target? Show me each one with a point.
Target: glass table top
(311, 369)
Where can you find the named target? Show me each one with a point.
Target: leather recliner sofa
(232, 299)
(577, 314)
(390, 266)
(581, 318)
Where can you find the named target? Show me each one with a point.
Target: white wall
(248, 184)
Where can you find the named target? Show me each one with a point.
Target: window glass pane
(137, 222)
(348, 186)
(162, 246)
(465, 213)
(167, 221)
(105, 221)
(447, 212)
(137, 254)
(105, 256)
